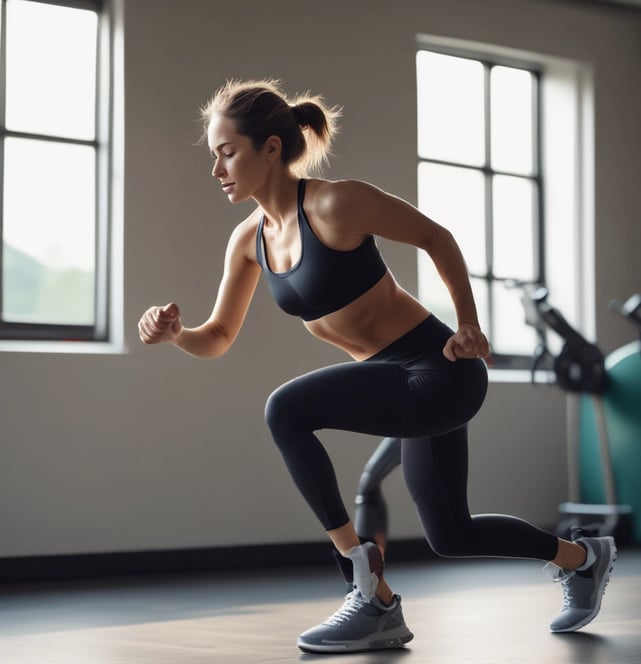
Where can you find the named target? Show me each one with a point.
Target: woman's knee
(447, 546)
(453, 539)
(282, 414)
(275, 409)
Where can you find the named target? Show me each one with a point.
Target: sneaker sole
(394, 638)
(604, 582)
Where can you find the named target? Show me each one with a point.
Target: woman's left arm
(366, 209)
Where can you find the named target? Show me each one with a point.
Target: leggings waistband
(427, 337)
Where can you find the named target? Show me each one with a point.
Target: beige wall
(152, 449)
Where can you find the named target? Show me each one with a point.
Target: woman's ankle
(368, 566)
(384, 592)
(570, 555)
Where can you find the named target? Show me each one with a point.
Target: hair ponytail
(306, 126)
(319, 126)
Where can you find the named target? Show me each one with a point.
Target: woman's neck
(278, 198)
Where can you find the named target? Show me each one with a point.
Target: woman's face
(240, 168)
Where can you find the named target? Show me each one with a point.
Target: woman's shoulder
(337, 188)
(249, 225)
(244, 234)
(331, 198)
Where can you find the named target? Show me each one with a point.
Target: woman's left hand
(468, 342)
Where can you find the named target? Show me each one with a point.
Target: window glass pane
(51, 69)
(513, 237)
(512, 120)
(455, 198)
(511, 334)
(48, 232)
(480, 290)
(450, 108)
(432, 292)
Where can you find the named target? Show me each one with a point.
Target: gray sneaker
(359, 625)
(583, 589)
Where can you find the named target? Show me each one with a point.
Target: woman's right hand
(160, 324)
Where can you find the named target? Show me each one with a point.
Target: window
(479, 174)
(54, 155)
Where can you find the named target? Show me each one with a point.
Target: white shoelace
(352, 605)
(562, 576)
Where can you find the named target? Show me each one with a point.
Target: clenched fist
(160, 324)
(468, 342)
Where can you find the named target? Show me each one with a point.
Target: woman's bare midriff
(371, 322)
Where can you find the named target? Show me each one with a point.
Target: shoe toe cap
(570, 620)
(312, 635)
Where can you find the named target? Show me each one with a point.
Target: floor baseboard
(40, 569)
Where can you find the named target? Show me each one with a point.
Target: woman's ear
(274, 148)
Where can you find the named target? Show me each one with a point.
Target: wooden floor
(461, 612)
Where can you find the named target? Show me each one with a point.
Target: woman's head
(259, 110)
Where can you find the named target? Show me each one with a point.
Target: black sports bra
(324, 279)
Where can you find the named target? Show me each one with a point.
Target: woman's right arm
(214, 337)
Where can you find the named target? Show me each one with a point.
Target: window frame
(101, 143)
(488, 60)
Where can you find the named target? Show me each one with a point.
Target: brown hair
(305, 125)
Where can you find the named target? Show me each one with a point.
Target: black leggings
(408, 390)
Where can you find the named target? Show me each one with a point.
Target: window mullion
(92, 5)
(488, 175)
(3, 96)
(8, 133)
(537, 133)
(3, 61)
(102, 198)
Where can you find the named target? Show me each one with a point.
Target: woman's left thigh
(367, 397)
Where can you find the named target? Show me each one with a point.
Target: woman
(410, 377)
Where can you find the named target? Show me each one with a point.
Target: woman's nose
(217, 171)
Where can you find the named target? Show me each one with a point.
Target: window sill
(65, 347)
(520, 376)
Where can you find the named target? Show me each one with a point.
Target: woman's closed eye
(225, 154)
